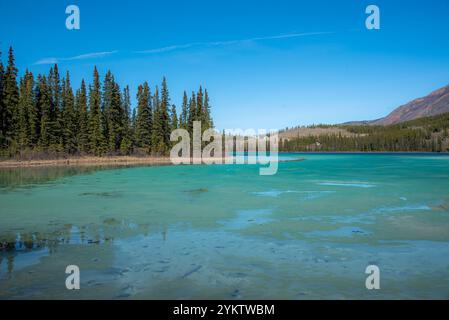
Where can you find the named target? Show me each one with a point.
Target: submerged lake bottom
(225, 232)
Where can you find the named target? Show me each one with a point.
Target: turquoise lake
(225, 232)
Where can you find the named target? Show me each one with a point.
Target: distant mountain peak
(437, 102)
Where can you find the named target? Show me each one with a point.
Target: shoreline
(112, 161)
(364, 152)
(153, 160)
(85, 161)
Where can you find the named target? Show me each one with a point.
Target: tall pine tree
(69, 118)
(10, 100)
(43, 100)
(56, 134)
(32, 110)
(192, 113)
(157, 130)
(82, 116)
(174, 124)
(115, 119)
(199, 107)
(165, 118)
(25, 110)
(126, 146)
(144, 118)
(208, 123)
(96, 138)
(184, 112)
(2, 106)
(108, 87)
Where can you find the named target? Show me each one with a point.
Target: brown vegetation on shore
(109, 161)
(86, 161)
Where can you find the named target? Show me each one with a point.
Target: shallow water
(223, 231)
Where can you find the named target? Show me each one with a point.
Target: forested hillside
(429, 134)
(43, 116)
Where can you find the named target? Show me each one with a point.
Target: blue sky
(266, 64)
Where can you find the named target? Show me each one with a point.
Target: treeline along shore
(427, 134)
(42, 118)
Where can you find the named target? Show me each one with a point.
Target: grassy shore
(106, 161)
(86, 161)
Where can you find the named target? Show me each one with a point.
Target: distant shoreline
(364, 152)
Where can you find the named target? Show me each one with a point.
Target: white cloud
(230, 42)
(53, 60)
(79, 57)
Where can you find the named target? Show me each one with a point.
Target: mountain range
(433, 104)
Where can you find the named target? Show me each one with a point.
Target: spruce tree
(157, 128)
(108, 87)
(165, 118)
(55, 129)
(25, 111)
(2, 107)
(133, 124)
(69, 119)
(207, 115)
(192, 113)
(174, 124)
(10, 100)
(184, 112)
(133, 127)
(144, 118)
(32, 110)
(127, 141)
(199, 108)
(126, 106)
(115, 119)
(21, 134)
(43, 100)
(96, 137)
(82, 116)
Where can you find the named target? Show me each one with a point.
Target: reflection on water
(225, 232)
(29, 176)
(15, 177)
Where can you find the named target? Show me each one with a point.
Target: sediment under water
(224, 231)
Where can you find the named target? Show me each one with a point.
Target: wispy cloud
(230, 42)
(79, 57)
(168, 48)
(53, 60)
